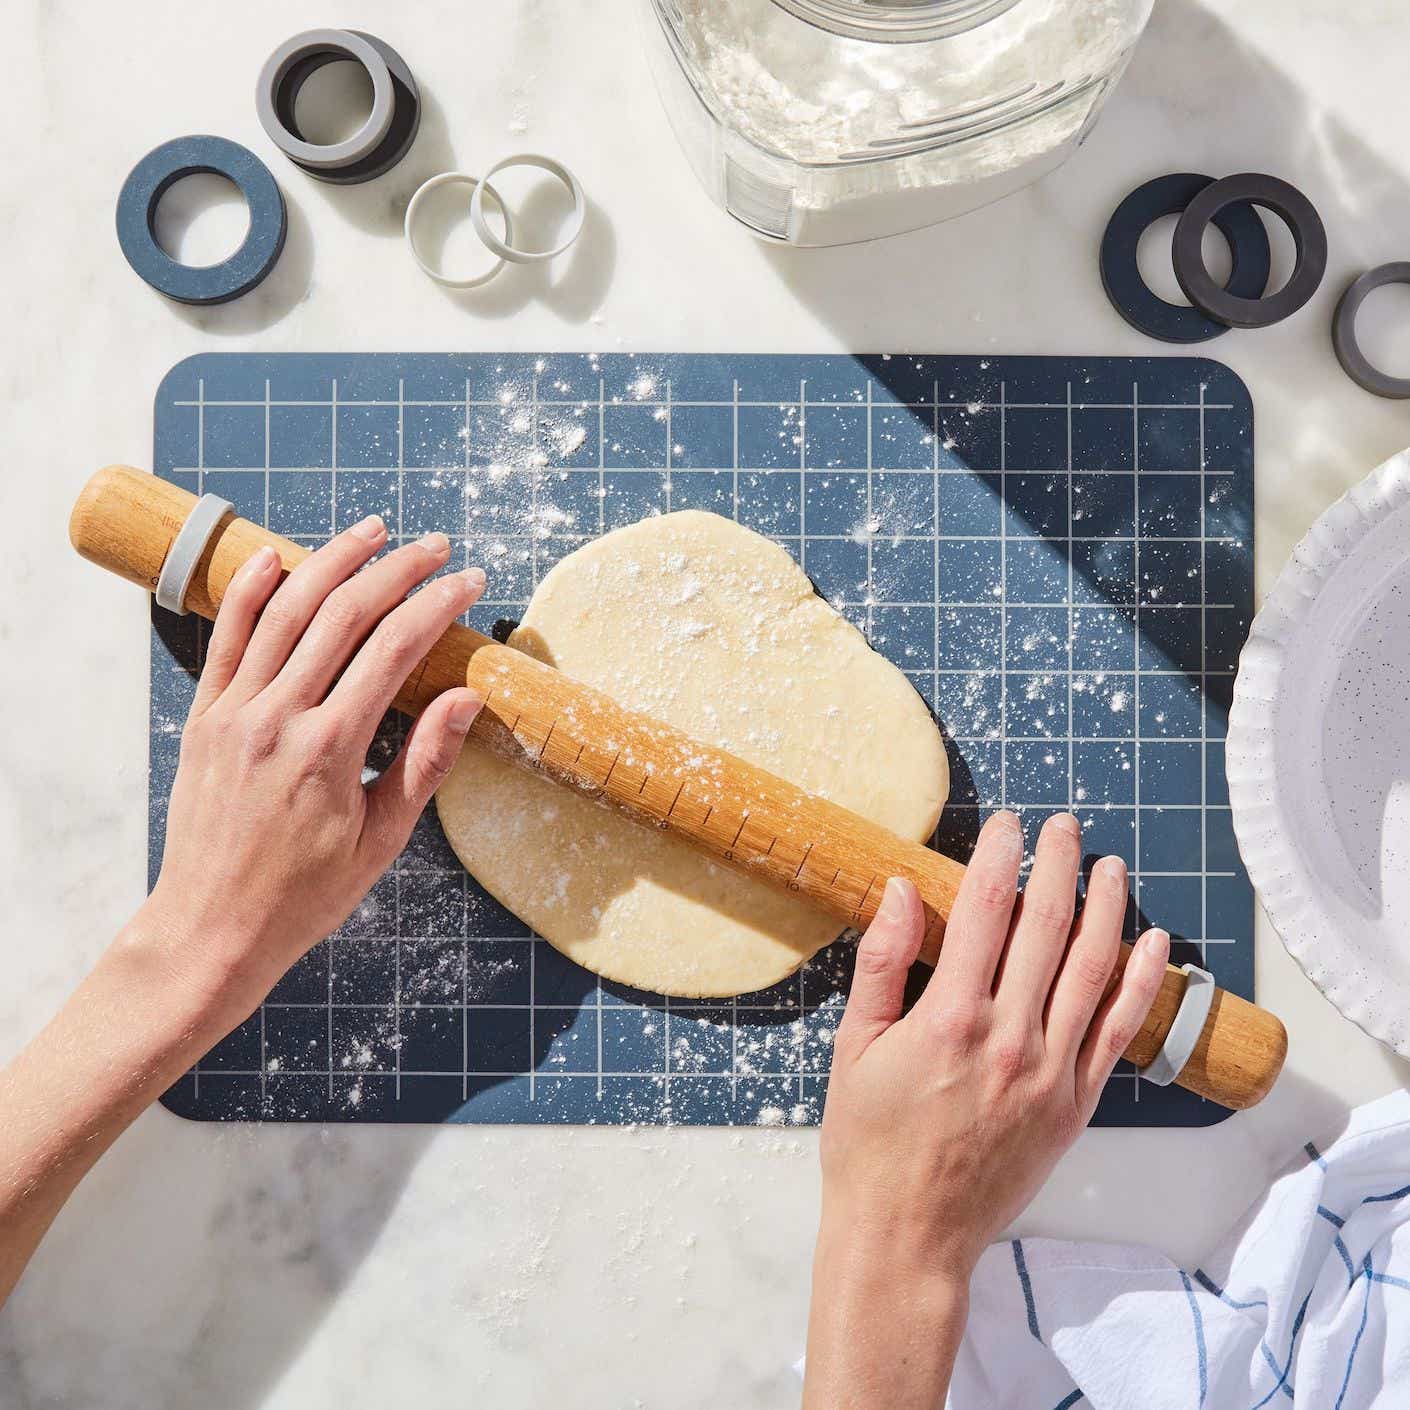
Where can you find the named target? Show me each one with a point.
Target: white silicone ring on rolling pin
(510, 252)
(186, 550)
(457, 178)
(1184, 1032)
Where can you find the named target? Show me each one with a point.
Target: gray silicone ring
(1299, 215)
(1184, 1033)
(382, 140)
(1354, 362)
(186, 550)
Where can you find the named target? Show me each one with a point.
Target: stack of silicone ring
(382, 140)
(1241, 302)
(501, 246)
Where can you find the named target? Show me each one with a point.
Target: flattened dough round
(714, 629)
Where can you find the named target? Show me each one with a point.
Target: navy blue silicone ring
(1121, 276)
(211, 283)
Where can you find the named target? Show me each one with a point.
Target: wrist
(900, 1235)
(887, 1318)
(197, 979)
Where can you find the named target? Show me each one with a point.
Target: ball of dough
(710, 627)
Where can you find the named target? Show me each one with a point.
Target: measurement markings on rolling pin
(543, 748)
(610, 768)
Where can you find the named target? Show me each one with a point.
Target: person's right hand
(941, 1125)
(272, 837)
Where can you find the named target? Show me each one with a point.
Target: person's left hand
(941, 1123)
(272, 837)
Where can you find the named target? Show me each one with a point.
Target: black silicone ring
(1309, 239)
(211, 283)
(1353, 361)
(1133, 298)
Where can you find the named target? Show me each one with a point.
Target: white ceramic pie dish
(1319, 754)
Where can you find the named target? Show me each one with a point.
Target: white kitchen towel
(1307, 1303)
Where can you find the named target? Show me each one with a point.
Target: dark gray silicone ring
(1309, 239)
(1353, 361)
(391, 126)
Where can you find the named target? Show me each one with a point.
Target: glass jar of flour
(822, 122)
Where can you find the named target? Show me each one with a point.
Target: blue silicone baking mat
(1058, 552)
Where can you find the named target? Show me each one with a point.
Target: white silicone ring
(575, 222)
(186, 550)
(459, 178)
(1184, 1032)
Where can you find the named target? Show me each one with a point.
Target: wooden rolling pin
(126, 520)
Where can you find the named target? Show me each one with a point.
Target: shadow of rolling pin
(126, 521)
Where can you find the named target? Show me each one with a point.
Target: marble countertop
(284, 1266)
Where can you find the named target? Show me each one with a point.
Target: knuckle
(441, 760)
(260, 734)
(1090, 970)
(396, 641)
(1117, 1038)
(324, 734)
(284, 613)
(1010, 1056)
(399, 643)
(960, 1023)
(992, 893)
(1047, 913)
(873, 957)
(343, 611)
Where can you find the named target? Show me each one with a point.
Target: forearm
(126, 1033)
(885, 1325)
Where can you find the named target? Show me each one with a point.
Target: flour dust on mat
(713, 629)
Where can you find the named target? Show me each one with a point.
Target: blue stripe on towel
(1334, 1219)
(1389, 1280)
(1340, 1247)
(1210, 1286)
(1314, 1155)
(1200, 1348)
(1068, 1401)
(1393, 1195)
(1292, 1344)
(1360, 1331)
(1021, 1265)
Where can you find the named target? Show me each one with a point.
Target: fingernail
(437, 543)
(1155, 942)
(262, 560)
(462, 714)
(1005, 830)
(475, 577)
(372, 528)
(1111, 867)
(1065, 822)
(893, 899)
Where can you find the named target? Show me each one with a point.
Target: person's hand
(941, 1125)
(272, 836)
